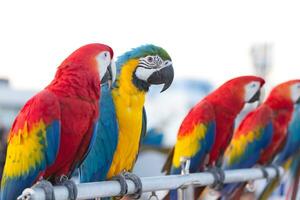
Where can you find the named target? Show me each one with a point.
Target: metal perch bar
(112, 188)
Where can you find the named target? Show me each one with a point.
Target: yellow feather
(24, 150)
(129, 102)
(189, 145)
(237, 145)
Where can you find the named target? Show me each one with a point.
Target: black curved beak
(163, 76)
(108, 75)
(298, 101)
(255, 97)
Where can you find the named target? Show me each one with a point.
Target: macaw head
(81, 72)
(92, 58)
(285, 94)
(146, 65)
(243, 89)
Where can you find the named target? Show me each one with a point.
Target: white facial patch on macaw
(150, 64)
(113, 70)
(251, 89)
(103, 59)
(295, 92)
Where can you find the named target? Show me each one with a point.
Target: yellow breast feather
(129, 102)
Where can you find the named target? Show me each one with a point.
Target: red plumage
(56, 126)
(202, 113)
(228, 101)
(77, 86)
(281, 103)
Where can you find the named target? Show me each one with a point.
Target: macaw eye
(166, 62)
(150, 59)
(253, 85)
(105, 55)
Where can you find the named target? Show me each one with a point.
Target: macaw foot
(277, 171)
(122, 180)
(137, 182)
(44, 185)
(219, 177)
(70, 185)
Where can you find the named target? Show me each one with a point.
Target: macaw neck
(282, 109)
(125, 81)
(226, 102)
(279, 103)
(70, 82)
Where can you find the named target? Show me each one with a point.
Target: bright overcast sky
(206, 39)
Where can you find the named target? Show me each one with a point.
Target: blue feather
(249, 157)
(206, 145)
(139, 52)
(96, 165)
(292, 145)
(14, 186)
(53, 141)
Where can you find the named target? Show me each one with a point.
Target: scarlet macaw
(261, 134)
(53, 131)
(286, 156)
(207, 128)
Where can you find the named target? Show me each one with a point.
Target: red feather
(228, 101)
(281, 103)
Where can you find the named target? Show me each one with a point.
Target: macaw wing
(82, 152)
(293, 139)
(97, 163)
(33, 144)
(252, 136)
(195, 137)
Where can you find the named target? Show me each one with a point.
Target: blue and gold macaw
(122, 122)
(290, 150)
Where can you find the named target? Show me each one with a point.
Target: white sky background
(206, 39)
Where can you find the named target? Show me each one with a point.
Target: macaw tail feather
(199, 191)
(270, 187)
(172, 195)
(238, 192)
(168, 164)
(294, 173)
(295, 184)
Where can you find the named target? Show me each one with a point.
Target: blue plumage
(14, 185)
(292, 145)
(253, 148)
(141, 51)
(99, 159)
(206, 145)
(53, 141)
(249, 158)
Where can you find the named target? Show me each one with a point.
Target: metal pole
(185, 193)
(112, 188)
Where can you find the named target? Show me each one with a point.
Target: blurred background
(209, 42)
